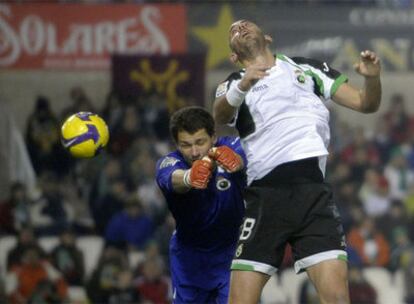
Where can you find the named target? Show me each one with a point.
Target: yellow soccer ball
(84, 134)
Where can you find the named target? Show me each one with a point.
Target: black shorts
(291, 204)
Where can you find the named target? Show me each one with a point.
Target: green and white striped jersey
(284, 117)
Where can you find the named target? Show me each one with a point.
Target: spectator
(403, 250)
(137, 157)
(130, 128)
(15, 211)
(101, 184)
(104, 279)
(130, 227)
(42, 139)
(26, 239)
(395, 218)
(398, 174)
(157, 116)
(124, 291)
(374, 194)
(397, 118)
(79, 102)
(370, 244)
(383, 141)
(76, 199)
(153, 286)
(35, 280)
(360, 143)
(151, 198)
(112, 112)
(50, 212)
(109, 205)
(360, 290)
(68, 259)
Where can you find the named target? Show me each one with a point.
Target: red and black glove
(226, 158)
(199, 174)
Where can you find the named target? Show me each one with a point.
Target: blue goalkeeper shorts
(200, 276)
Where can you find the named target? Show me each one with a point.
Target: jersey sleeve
(326, 79)
(164, 170)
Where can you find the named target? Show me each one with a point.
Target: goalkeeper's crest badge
(223, 184)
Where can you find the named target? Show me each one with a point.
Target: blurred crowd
(380, 3)
(115, 196)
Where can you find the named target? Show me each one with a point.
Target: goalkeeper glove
(226, 158)
(199, 174)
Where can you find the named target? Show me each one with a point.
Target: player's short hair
(191, 120)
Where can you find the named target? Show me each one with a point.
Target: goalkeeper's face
(194, 146)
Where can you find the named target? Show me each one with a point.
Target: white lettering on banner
(159, 42)
(103, 35)
(80, 40)
(125, 36)
(51, 46)
(34, 36)
(9, 45)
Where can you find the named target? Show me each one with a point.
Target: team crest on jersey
(300, 76)
(223, 184)
(168, 162)
(221, 89)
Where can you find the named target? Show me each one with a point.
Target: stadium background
(134, 63)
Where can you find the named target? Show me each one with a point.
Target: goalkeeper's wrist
(235, 96)
(186, 178)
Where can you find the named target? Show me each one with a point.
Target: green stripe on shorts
(244, 267)
(342, 257)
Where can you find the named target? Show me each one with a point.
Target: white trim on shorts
(247, 265)
(311, 260)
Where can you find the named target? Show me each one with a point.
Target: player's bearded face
(246, 39)
(194, 146)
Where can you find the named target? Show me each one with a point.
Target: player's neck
(265, 58)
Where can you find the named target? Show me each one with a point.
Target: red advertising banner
(74, 36)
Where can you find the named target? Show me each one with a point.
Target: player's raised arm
(367, 99)
(229, 100)
(223, 112)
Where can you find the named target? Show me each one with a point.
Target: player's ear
(234, 58)
(268, 39)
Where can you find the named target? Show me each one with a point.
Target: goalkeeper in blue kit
(202, 182)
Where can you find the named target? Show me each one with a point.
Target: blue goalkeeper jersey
(207, 219)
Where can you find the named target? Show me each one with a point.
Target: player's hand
(200, 173)
(253, 74)
(368, 65)
(226, 158)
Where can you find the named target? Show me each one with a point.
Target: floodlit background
(134, 63)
